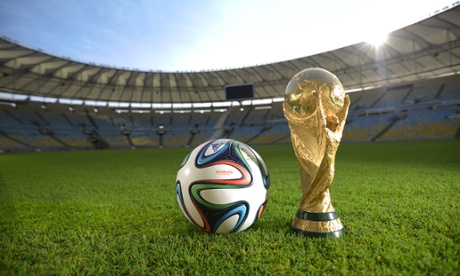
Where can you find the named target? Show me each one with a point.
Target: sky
(196, 35)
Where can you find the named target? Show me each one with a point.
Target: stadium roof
(426, 49)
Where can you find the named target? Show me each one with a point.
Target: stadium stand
(414, 93)
(426, 109)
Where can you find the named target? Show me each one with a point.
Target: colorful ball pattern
(222, 186)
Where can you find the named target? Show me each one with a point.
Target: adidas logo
(216, 146)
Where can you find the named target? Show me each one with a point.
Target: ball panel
(253, 156)
(260, 161)
(212, 195)
(228, 225)
(214, 217)
(215, 146)
(179, 197)
(222, 173)
(211, 151)
(226, 196)
(191, 213)
(232, 220)
(261, 210)
(184, 161)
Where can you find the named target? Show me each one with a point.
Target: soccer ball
(222, 186)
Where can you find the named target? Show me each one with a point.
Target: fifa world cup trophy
(316, 107)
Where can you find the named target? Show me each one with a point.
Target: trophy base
(317, 225)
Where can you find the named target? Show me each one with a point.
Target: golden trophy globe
(316, 106)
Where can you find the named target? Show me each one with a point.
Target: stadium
(90, 153)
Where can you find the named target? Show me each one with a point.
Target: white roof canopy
(426, 49)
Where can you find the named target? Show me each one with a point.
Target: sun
(377, 38)
(376, 35)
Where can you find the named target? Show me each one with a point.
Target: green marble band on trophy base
(317, 224)
(317, 216)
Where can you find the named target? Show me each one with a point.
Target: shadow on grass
(266, 224)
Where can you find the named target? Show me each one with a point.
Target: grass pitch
(115, 212)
